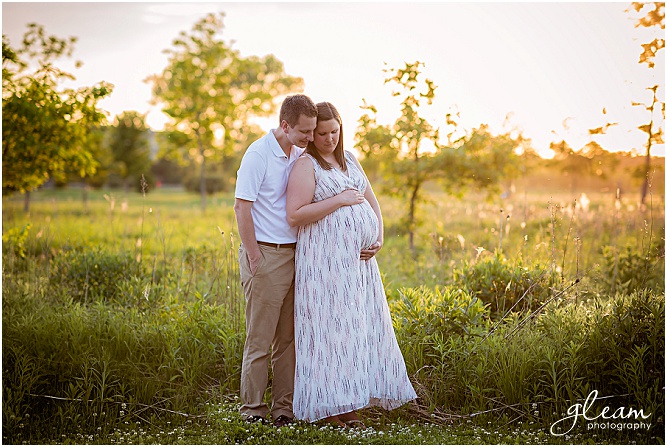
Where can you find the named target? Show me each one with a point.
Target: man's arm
(247, 232)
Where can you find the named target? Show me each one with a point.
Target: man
(266, 259)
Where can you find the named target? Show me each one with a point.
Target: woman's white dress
(347, 357)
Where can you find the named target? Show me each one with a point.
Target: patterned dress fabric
(347, 357)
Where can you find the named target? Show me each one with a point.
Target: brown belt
(271, 244)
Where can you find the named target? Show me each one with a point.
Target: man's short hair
(296, 105)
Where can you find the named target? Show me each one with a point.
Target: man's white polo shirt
(262, 179)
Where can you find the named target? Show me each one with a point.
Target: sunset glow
(552, 71)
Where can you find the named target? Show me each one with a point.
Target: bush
(167, 171)
(106, 364)
(625, 347)
(14, 240)
(502, 284)
(625, 270)
(214, 183)
(537, 368)
(424, 312)
(87, 275)
(423, 317)
(134, 183)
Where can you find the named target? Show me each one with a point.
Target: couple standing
(315, 304)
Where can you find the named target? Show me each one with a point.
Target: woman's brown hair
(325, 112)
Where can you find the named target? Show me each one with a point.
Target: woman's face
(326, 136)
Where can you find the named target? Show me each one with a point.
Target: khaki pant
(269, 297)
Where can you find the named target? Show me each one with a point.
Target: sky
(547, 70)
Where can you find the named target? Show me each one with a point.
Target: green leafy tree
(99, 147)
(129, 143)
(411, 166)
(592, 160)
(210, 93)
(652, 18)
(45, 129)
(100, 152)
(573, 163)
(481, 161)
(373, 142)
(409, 153)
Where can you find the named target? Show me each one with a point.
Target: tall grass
(131, 309)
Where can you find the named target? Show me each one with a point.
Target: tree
(102, 154)
(45, 129)
(407, 163)
(590, 160)
(210, 93)
(485, 160)
(654, 135)
(130, 148)
(653, 18)
(411, 166)
(373, 142)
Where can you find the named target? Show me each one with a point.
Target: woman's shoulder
(305, 161)
(351, 157)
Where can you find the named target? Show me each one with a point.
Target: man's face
(302, 132)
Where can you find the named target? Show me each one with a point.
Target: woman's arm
(300, 191)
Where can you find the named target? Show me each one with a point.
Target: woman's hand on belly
(371, 251)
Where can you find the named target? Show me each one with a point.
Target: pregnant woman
(347, 357)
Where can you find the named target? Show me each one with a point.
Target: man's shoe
(283, 420)
(255, 419)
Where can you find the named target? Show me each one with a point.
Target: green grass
(222, 425)
(121, 314)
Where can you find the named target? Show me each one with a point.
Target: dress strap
(316, 165)
(305, 154)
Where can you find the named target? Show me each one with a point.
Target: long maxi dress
(347, 357)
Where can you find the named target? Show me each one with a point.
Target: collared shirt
(262, 179)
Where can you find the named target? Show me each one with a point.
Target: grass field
(124, 314)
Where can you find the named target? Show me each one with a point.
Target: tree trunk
(649, 144)
(202, 176)
(647, 171)
(26, 201)
(411, 216)
(84, 196)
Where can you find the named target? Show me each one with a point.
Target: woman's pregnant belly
(358, 225)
